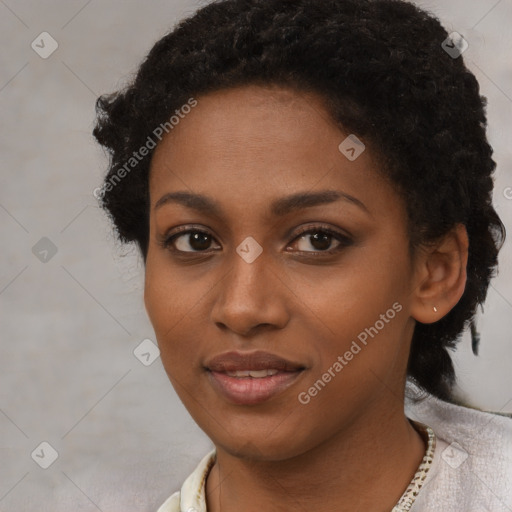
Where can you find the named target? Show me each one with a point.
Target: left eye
(321, 240)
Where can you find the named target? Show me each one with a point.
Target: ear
(440, 276)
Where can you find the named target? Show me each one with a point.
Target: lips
(251, 378)
(251, 361)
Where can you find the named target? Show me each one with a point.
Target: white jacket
(471, 469)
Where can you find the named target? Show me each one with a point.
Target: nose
(251, 297)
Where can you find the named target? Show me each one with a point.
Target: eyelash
(344, 241)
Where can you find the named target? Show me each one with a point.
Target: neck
(367, 467)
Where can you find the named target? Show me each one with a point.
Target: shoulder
(472, 467)
(191, 496)
(479, 429)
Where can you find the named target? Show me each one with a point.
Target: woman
(309, 183)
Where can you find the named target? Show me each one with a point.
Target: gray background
(69, 326)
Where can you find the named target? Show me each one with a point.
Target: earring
(435, 309)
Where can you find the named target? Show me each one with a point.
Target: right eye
(196, 239)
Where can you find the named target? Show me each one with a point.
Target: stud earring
(435, 309)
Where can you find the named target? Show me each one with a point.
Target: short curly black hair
(384, 75)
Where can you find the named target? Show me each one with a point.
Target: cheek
(164, 303)
(361, 313)
(353, 296)
(174, 304)
(157, 294)
(167, 294)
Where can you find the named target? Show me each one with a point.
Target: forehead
(243, 118)
(261, 143)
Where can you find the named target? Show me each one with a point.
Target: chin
(261, 447)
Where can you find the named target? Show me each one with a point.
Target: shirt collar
(192, 496)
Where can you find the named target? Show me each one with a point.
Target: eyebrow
(279, 207)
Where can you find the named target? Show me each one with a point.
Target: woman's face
(242, 276)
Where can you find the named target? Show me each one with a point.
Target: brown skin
(351, 447)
